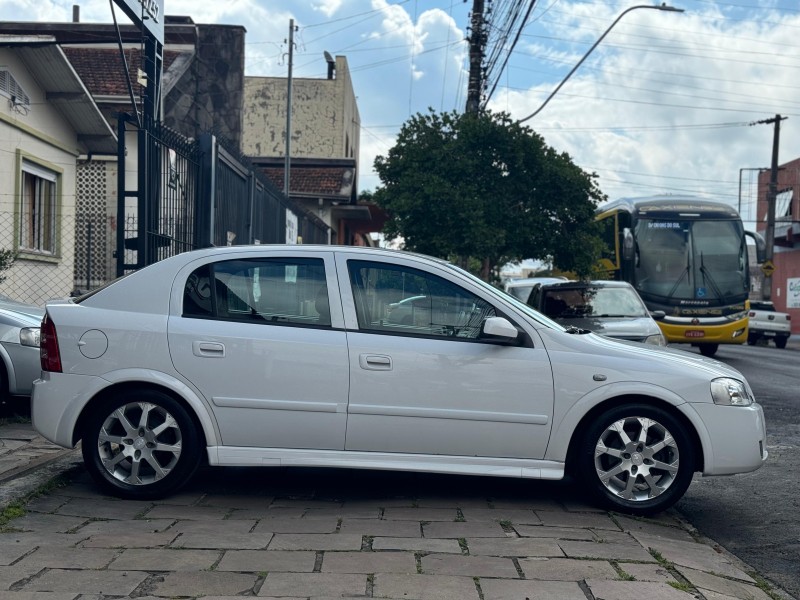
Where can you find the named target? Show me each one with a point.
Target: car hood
(628, 357)
(621, 327)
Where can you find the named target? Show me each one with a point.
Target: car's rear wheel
(140, 444)
(780, 342)
(637, 459)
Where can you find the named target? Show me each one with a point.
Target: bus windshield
(691, 260)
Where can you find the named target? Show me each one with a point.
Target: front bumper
(737, 438)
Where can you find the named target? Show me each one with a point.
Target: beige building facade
(48, 125)
(325, 119)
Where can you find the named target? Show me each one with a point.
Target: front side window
(38, 214)
(394, 299)
(272, 291)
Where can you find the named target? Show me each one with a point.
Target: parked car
(764, 322)
(611, 308)
(281, 355)
(405, 311)
(19, 352)
(521, 288)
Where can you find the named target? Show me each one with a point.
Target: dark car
(611, 308)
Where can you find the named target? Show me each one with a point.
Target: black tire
(121, 451)
(666, 471)
(708, 349)
(752, 340)
(780, 342)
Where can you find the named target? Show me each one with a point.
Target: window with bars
(38, 214)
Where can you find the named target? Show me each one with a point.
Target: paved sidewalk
(316, 533)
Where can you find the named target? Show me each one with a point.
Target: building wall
(42, 136)
(209, 95)
(325, 119)
(786, 254)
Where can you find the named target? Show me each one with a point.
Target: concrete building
(324, 147)
(325, 120)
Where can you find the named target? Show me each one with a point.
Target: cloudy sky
(667, 103)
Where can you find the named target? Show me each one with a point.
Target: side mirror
(658, 314)
(499, 328)
(627, 244)
(761, 245)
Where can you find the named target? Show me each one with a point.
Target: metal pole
(663, 7)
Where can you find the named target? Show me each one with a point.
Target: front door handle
(375, 362)
(208, 349)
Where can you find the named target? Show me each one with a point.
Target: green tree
(486, 190)
(7, 258)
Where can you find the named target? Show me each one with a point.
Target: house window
(38, 202)
(13, 91)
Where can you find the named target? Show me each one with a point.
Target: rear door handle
(208, 349)
(375, 362)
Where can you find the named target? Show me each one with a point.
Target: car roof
(533, 280)
(221, 251)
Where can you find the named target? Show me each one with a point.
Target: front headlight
(656, 340)
(730, 392)
(29, 336)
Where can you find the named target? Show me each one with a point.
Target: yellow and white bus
(687, 257)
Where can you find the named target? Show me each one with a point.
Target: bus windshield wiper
(685, 272)
(707, 274)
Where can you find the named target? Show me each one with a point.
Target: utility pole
(772, 194)
(477, 44)
(288, 159)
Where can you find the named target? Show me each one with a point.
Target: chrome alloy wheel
(139, 443)
(636, 458)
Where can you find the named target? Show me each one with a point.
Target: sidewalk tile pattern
(306, 534)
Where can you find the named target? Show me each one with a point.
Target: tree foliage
(485, 188)
(7, 258)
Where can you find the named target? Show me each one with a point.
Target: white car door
(258, 338)
(428, 385)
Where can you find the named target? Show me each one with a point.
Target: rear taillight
(752, 314)
(48, 348)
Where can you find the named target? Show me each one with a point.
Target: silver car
(19, 350)
(611, 308)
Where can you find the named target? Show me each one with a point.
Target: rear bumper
(56, 404)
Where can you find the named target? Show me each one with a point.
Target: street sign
(768, 268)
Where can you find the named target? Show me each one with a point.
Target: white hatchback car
(284, 356)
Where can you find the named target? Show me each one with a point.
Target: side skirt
(427, 463)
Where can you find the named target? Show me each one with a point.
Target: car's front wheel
(140, 444)
(637, 459)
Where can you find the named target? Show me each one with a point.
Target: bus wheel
(708, 349)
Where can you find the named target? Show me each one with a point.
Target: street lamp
(663, 7)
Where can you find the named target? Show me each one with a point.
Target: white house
(48, 124)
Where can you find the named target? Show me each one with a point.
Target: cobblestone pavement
(317, 533)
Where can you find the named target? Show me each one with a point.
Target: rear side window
(277, 291)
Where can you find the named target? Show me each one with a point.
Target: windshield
(691, 260)
(579, 303)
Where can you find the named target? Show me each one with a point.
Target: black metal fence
(196, 194)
